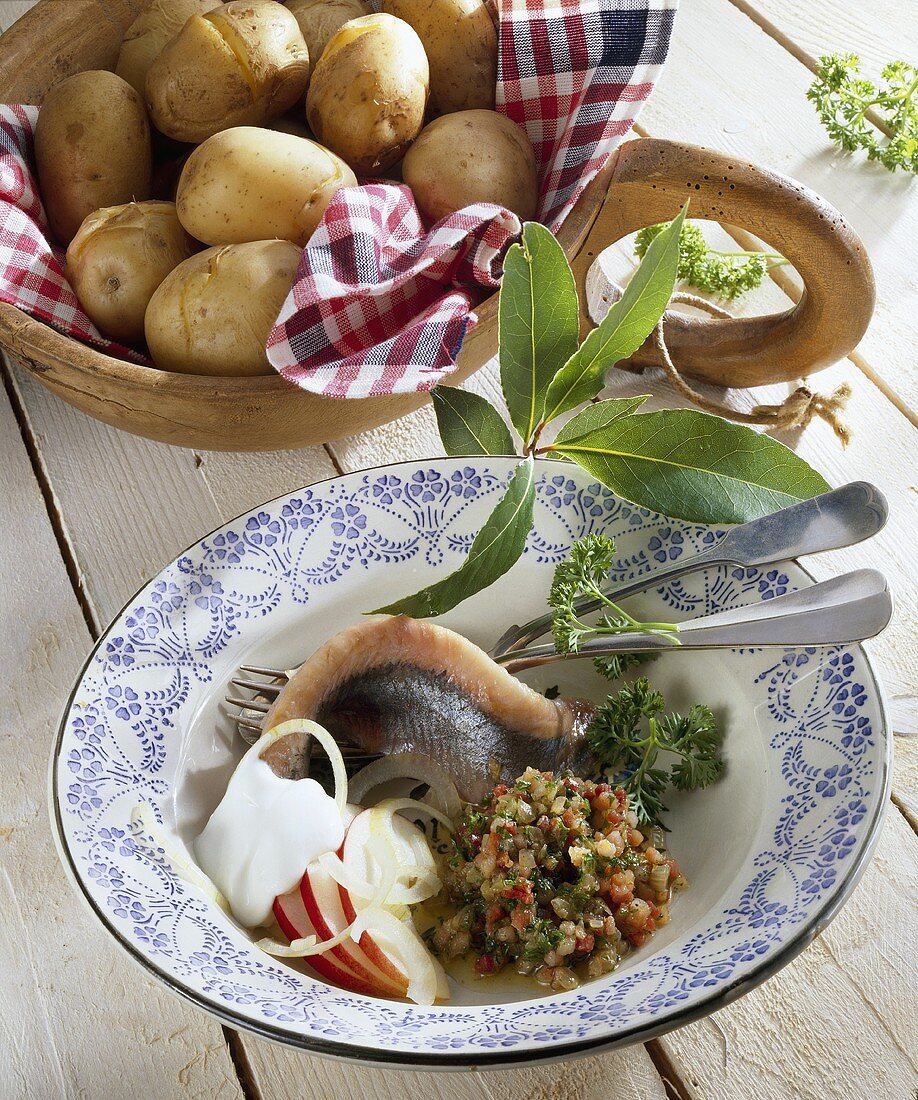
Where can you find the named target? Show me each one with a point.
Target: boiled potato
(247, 184)
(213, 313)
(319, 19)
(368, 92)
(92, 149)
(119, 257)
(472, 156)
(460, 41)
(240, 65)
(151, 30)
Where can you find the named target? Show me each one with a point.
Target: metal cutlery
(845, 609)
(842, 517)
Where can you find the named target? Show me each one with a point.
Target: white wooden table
(89, 514)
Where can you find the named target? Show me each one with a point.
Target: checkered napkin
(31, 268)
(381, 303)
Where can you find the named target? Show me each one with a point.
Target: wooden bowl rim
(41, 338)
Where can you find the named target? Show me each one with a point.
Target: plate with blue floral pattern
(771, 851)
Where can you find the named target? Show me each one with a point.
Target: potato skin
(213, 313)
(240, 65)
(320, 19)
(156, 25)
(368, 92)
(92, 149)
(472, 156)
(119, 257)
(460, 41)
(248, 184)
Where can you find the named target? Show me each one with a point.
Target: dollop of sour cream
(264, 833)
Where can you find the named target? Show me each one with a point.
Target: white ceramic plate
(771, 851)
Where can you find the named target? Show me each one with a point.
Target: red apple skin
(324, 966)
(352, 957)
(369, 946)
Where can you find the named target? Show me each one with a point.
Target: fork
(845, 609)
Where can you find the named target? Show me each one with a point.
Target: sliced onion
(190, 872)
(426, 882)
(425, 886)
(298, 949)
(332, 863)
(325, 739)
(408, 846)
(395, 805)
(409, 765)
(399, 939)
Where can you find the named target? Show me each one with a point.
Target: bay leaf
(695, 466)
(599, 415)
(469, 424)
(623, 329)
(497, 546)
(538, 324)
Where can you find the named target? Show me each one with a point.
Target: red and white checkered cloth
(380, 304)
(31, 268)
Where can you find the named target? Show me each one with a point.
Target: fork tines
(252, 711)
(270, 673)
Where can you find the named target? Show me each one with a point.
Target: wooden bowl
(646, 181)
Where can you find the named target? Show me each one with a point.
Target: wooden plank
(129, 1037)
(144, 502)
(905, 779)
(284, 1078)
(839, 1021)
(414, 436)
(730, 86)
(11, 10)
(876, 32)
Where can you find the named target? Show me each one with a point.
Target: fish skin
(402, 708)
(392, 684)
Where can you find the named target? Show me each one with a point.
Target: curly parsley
(629, 731)
(581, 575)
(843, 97)
(726, 274)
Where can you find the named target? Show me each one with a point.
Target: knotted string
(797, 411)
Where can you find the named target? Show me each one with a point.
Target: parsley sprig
(726, 274)
(629, 732)
(843, 98)
(582, 574)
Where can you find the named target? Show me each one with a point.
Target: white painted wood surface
(838, 1022)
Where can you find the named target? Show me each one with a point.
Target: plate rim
(344, 1051)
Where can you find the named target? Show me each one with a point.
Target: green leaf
(470, 425)
(624, 328)
(598, 415)
(695, 466)
(539, 324)
(497, 546)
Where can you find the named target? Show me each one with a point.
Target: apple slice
(294, 922)
(354, 854)
(325, 909)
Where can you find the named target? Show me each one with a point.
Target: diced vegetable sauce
(553, 877)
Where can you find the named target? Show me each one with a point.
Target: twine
(798, 410)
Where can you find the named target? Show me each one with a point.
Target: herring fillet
(395, 684)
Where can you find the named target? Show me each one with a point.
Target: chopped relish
(552, 875)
